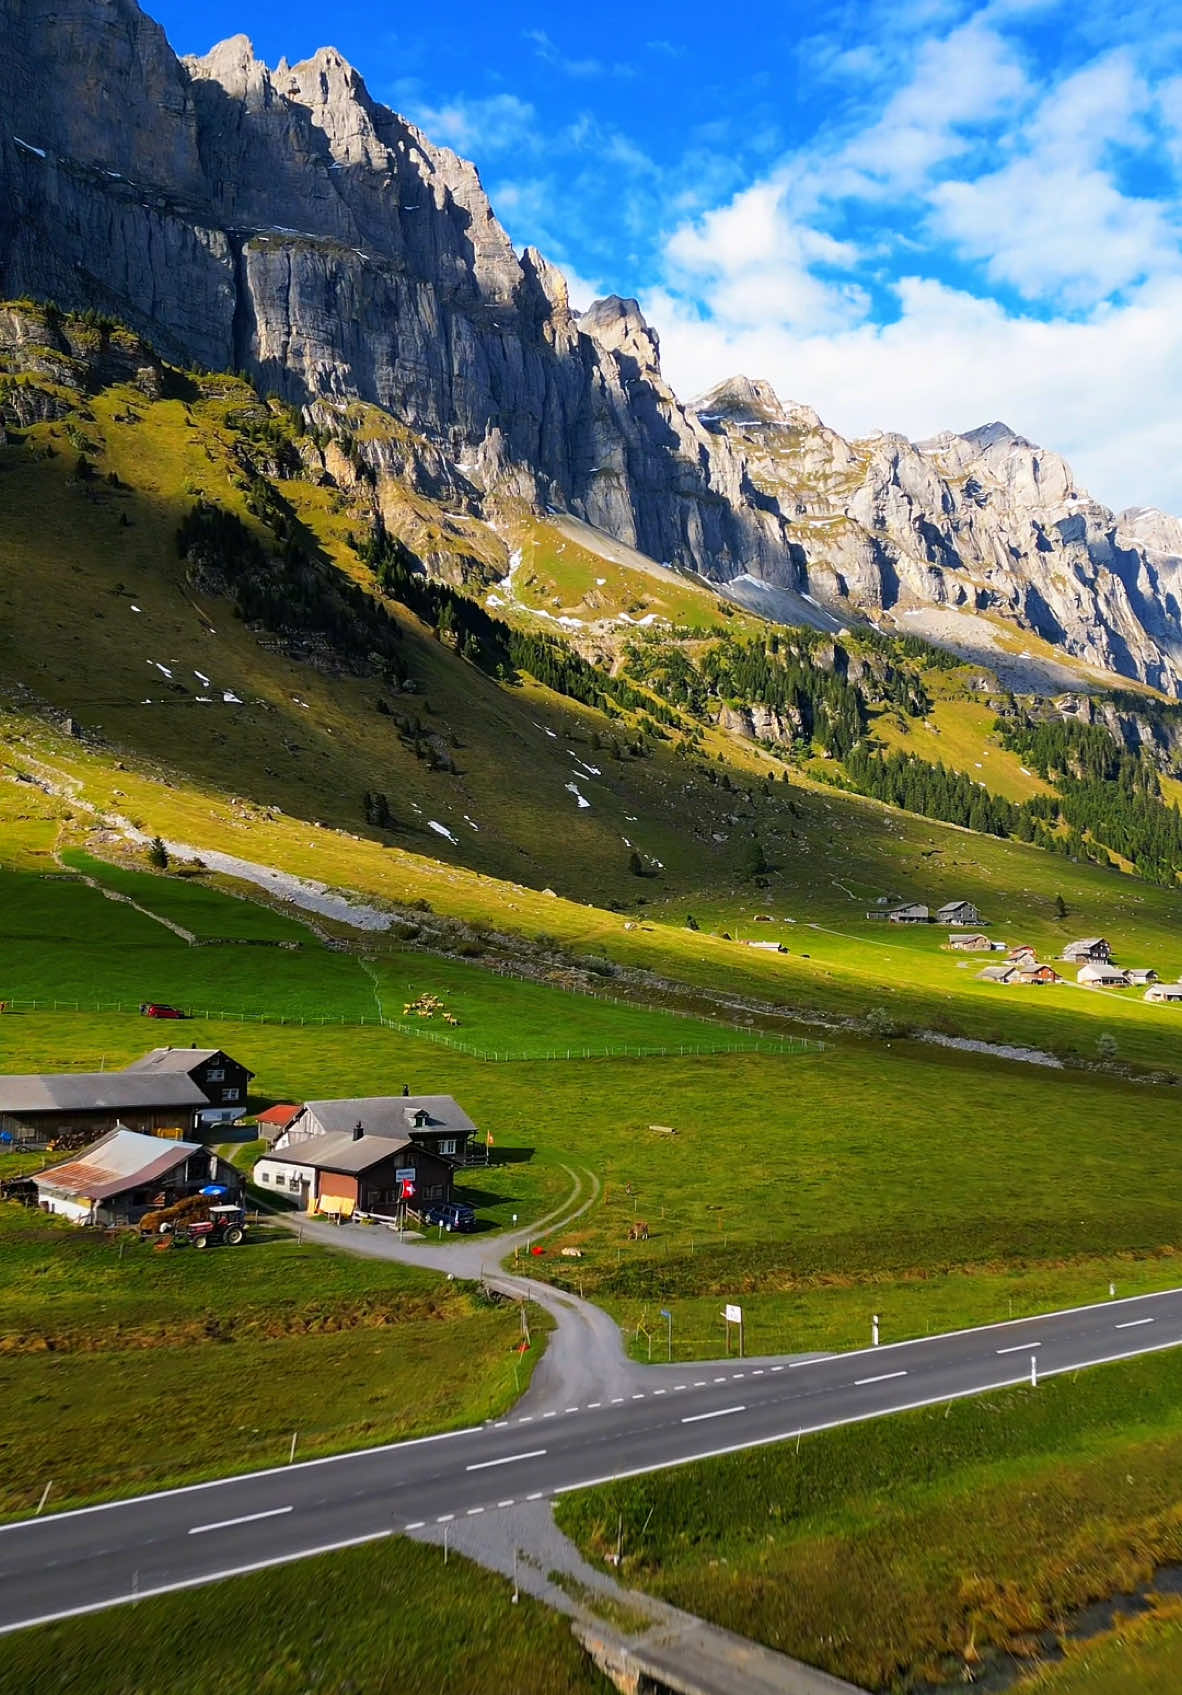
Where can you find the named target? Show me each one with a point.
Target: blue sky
(914, 216)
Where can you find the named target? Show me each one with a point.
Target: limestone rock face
(281, 222)
(984, 522)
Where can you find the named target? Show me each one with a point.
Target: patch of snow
(202, 678)
(574, 623)
(230, 698)
(442, 830)
(591, 770)
(600, 581)
(205, 697)
(492, 599)
(135, 609)
(639, 623)
(573, 789)
(29, 148)
(469, 822)
(163, 669)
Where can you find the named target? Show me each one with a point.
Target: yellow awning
(334, 1204)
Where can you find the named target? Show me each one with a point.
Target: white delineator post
(1034, 1371)
(874, 1329)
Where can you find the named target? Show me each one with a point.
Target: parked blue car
(453, 1215)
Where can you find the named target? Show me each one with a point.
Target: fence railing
(605, 1050)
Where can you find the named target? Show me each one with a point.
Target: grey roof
(96, 1091)
(1086, 945)
(341, 1151)
(385, 1115)
(1100, 971)
(954, 906)
(122, 1159)
(1164, 992)
(178, 1059)
(997, 973)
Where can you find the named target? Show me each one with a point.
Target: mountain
(282, 223)
(933, 533)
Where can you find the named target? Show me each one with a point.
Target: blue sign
(215, 1189)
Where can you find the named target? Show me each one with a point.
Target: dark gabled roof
(96, 1091)
(386, 1115)
(341, 1151)
(180, 1059)
(122, 1159)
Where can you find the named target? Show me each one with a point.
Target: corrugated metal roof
(340, 1152)
(122, 1159)
(279, 1114)
(112, 1091)
(387, 1115)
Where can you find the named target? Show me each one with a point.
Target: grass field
(138, 1369)
(388, 1619)
(1139, 1656)
(847, 854)
(916, 1546)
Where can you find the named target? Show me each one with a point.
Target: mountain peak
(619, 326)
(988, 435)
(740, 399)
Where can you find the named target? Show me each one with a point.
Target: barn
(74, 1107)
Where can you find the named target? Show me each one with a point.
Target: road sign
(405, 1174)
(733, 1315)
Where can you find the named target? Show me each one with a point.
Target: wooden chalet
(223, 1081)
(958, 912)
(1093, 948)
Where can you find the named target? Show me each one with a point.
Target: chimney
(358, 1131)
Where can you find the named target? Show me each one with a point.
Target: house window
(433, 1192)
(447, 1145)
(216, 1074)
(264, 1176)
(231, 1094)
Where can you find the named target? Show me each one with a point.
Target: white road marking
(720, 1379)
(1020, 1348)
(528, 1418)
(696, 1418)
(660, 1391)
(617, 1400)
(700, 1383)
(735, 1375)
(472, 1511)
(445, 1518)
(1130, 1323)
(508, 1503)
(536, 1496)
(758, 1372)
(550, 1415)
(416, 1524)
(678, 1387)
(639, 1396)
(247, 1518)
(594, 1406)
(501, 1424)
(572, 1409)
(777, 1368)
(483, 1465)
(884, 1377)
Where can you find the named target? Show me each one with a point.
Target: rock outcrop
(283, 223)
(984, 522)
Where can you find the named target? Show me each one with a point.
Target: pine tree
(158, 854)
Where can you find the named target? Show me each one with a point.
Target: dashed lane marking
(722, 1412)
(484, 1465)
(883, 1377)
(1019, 1348)
(247, 1518)
(1131, 1323)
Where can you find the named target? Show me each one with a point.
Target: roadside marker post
(874, 1328)
(1034, 1371)
(44, 1496)
(291, 1455)
(667, 1315)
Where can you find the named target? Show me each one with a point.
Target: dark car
(453, 1215)
(158, 1009)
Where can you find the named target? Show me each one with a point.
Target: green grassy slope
(389, 1619)
(917, 1547)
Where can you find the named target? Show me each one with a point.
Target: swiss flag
(408, 1190)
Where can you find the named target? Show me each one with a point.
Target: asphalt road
(69, 1563)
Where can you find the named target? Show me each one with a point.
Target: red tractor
(225, 1227)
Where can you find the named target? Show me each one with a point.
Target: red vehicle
(157, 1009)
(224, 1226)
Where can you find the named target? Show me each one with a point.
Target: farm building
(343, 1172)
(223, 1081)
(434, 1123)
(973, 943)
(1164, 992)
(124, 1175)
(1090, 948)
(1004, 974)
(275, 1120)
(74, 1107)
(1096, 975)
(914, 912)
(1140, 976)
(1035, 974)
(1022, 955)
(958, 912)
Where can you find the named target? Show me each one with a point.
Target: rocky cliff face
(282, 222)
(981, 522)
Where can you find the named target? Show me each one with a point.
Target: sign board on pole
(405, 1174)
(733, 1315)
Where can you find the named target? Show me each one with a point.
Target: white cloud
(1101, 390)
(492, 124)
(571, 65)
